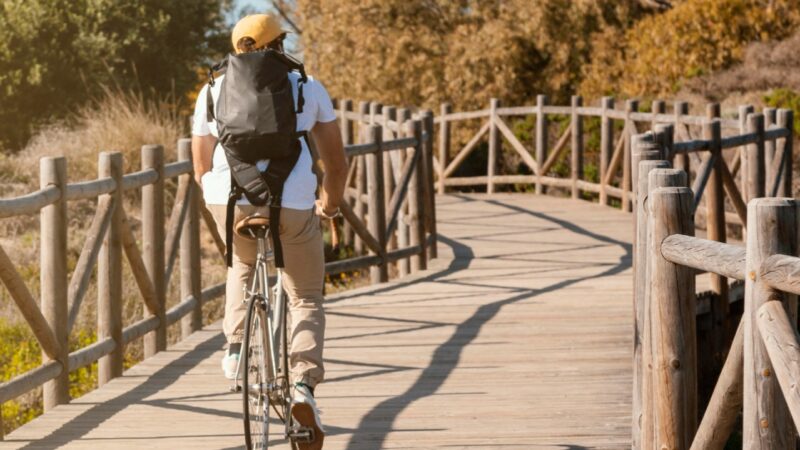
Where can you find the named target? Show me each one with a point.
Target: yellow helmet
(262, 28)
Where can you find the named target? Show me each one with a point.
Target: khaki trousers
(303, 278)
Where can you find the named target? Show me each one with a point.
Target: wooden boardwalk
(519, 336)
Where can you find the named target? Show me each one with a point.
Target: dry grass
(766, 65)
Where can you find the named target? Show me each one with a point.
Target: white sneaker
(306, 413)
(230, 362)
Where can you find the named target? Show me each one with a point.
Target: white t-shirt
(299, 189)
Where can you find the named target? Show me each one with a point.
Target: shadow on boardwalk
(421, 362)
(378, 422)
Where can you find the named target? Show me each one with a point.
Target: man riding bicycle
(299, 229)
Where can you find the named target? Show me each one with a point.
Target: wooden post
(606, 145)
(755, 158)
(716, 231)
(786, 120)
(153, 243)
(416, 202)
(389, 114)
(541, 139)
(375, 109)
(444, 144)
(347, 139)
(658, 107)
(682, 159)
(495, 142)
(770, 119)
(346, 124)
(657, 178)
(646, 154)
(672, 308)
(630, 130)
(403, 265)
(109, 275)
(53, 254)
(361, 177)
(430, 194)
(744, 154)
(771, 229)
(191, 285)
(577, 145)
(377, 202)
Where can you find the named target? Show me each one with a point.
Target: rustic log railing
(763, 358)
(763, 133)
(164, 239)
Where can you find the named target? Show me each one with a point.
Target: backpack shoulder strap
(218, 68)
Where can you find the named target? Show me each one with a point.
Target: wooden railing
(763, 356)
(615, 165)
(410, 207)
(391, 174)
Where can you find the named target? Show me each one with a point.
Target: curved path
(517, 337)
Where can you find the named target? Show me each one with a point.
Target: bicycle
(264, 368)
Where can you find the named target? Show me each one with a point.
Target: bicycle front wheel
(255, 378)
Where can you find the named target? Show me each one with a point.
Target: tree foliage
(422, 52)
(694, 38)
(56, 54)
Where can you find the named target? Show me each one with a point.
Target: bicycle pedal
(303, 435)
(236, 388)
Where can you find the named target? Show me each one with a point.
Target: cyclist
(300, 232)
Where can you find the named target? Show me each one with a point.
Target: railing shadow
(379, 421)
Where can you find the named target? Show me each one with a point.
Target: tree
(422, 52)
(56, 54)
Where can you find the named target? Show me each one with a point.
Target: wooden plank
(723, 409)
(541, 137)
(90, 189)
(782, 273)
(190, 252)
(464, 152)
(782, 343)
(495, 146)
(560, 146)
(137, 266)
(109, 276)
(705, 255)
(517, 145)
(771, 229)
(82, 273)
(29, 203)
(451, 332)
(53, 279)
(153, 245)
(671, 294)
(27, 306)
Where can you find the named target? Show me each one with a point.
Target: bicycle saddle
(252, 227)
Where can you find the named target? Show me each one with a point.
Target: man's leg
(244, 257)
(304, 259)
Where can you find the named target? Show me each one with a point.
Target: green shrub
(785, 98)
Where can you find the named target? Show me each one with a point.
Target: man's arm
(202, 152)
(328, 140)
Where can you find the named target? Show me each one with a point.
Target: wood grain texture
(771, 229)
(782, 343)
(672, 298)
(705, 255)
(423, 362)
(723, 409)
(781, 272)
(109, 274)
(53, 279)
(153, 244)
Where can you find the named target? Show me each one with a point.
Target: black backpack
(256, 120)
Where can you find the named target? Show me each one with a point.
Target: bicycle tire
(254, 402)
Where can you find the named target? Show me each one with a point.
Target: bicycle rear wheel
(255, 377)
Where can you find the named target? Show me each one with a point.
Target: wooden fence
(164, 242)
(667, 257)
